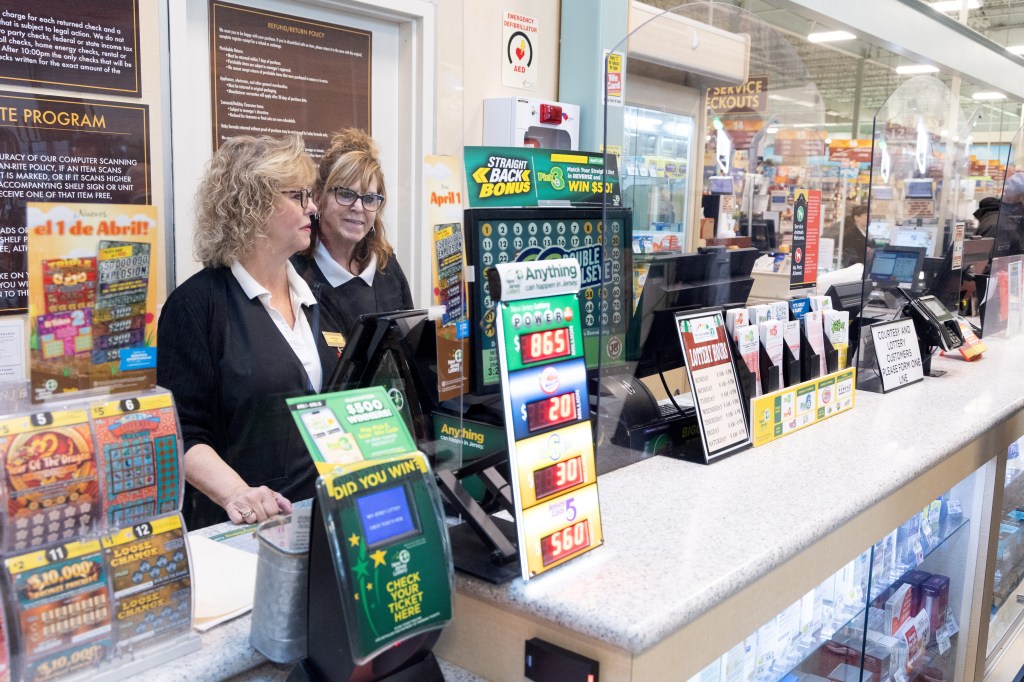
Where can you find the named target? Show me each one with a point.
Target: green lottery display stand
(380, 567)
(547, 412)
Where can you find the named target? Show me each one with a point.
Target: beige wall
(469, 63)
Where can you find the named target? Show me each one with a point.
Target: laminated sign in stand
(547, 412)
(380, 565)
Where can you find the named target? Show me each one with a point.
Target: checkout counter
(698, 557)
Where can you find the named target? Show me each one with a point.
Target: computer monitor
(395, 350)
(924, 236)
(897, 266)
(720, 184)
(919, 188)
(882, 192)
(712, 277)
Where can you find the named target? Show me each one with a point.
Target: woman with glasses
(350, 264)
(242, 334)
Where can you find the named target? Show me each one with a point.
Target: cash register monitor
(720, 184)
(762, 235)
(897, 266)
(395, 350)
(919, 188)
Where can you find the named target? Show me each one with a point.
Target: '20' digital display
(558, 409)
(545, 345)
(565, 542)
(558, 477)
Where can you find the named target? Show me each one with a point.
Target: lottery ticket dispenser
(380, 574)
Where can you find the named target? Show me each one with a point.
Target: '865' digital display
(545, 345)
(558, 409)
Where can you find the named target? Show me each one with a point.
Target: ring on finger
(245, 515)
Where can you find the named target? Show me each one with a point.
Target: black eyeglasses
(302, 195)
(346, 197)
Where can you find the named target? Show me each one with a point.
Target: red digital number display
(552, 411)
(546, 345)
(558, 477)
(565, 542)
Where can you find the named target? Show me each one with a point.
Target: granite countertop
(681, 538)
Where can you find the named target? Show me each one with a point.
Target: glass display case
(1008, 570)
(654, 173)
(892, 614)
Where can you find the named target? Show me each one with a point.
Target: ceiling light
(1015, 49)
(908, 69)
(954, 5)
(829, 36)
(988, 95)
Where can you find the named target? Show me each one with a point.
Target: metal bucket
(279, 603)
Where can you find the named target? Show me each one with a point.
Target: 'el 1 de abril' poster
(275, 74)
(63, 149)
(92, 273)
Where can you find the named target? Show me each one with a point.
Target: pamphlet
(815, 336)
(772, 340)
(821, 303)
(736, 317)
(780, 311)
(791, 333)
(798, 307)
(837, 328)
(748, 345)
(756, 314)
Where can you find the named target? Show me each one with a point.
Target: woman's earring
(372, 232)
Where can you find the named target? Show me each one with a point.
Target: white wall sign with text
(518, 62)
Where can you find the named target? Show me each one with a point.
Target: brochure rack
(97, 572)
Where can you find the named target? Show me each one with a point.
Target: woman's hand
(214, 478)
(253, 505)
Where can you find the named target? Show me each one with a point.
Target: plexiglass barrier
(911, 241)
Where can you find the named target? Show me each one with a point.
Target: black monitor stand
(329, 658)
(482, 546)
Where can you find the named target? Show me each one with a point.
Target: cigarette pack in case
(936, 598)
(916, 580)
(897, 609)
(916, 632)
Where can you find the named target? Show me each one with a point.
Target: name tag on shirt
(334, 340)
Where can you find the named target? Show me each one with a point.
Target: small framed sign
(712, 375)
(897, 354)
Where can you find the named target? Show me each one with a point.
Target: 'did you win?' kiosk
(380, 566)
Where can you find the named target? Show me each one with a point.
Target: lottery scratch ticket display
(63, 622)
(547, 413)
(385, 531)
(69, 284)
(137, 445)
(98, 602)
(149, 573)
(52, 491)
